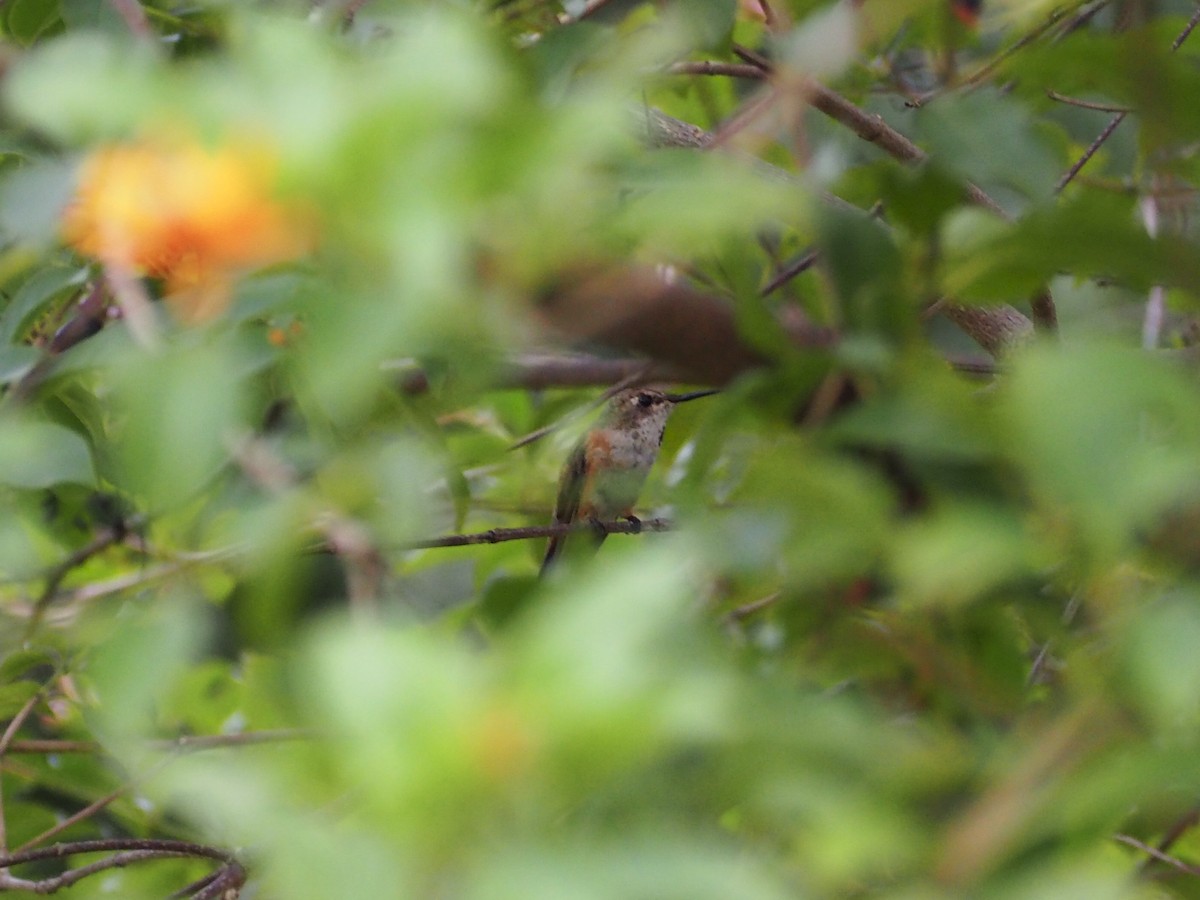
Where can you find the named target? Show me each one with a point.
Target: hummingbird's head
(642, 407)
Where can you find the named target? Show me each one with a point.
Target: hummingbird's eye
(645, 400)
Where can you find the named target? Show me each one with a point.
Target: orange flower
(192, 216)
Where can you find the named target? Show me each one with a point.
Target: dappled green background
(928, 623)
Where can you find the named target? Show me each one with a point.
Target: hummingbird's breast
(619, 459)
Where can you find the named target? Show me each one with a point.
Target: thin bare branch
(160, 846)
(125, 852)
(500, 535)
(1055, 16)
(1091, 151)
(631, 380)
(79, 816)
(5, 742)
(746, 610)
(184, 744)
(802, 263)
(1187, 31)
(224, 883)
(54, 577)
(1085, 104)
(1080, 19)
(1178, 829)
(1155, 853)
(730, 70)
(1116, 120)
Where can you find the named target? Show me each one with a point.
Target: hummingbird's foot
(635, 522)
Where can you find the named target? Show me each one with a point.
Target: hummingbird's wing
(570, 494)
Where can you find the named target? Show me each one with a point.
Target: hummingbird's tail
(559, 541)
(553, 549)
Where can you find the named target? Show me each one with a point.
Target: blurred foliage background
(283, 286)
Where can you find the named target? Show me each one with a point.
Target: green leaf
(15, 695)
(990, 139)
(178, 413)
(32, 200)
(867, 272)
(709, 21)
(1089, 236)
(1164, 669)
(100, 15)
(26, 20)
(16, 361)
(39, 454)
(1107, 434)
(138, 663)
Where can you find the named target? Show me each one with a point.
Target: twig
(189, 743)
(54, 578)
(1080, 19)
(1086, 104)
(194, 889)
(125, 851)
(1155, 853)
(731, 70)
(995, 327)
(1177, 830)
(1103, 136)
(500, 535)
(802, 263)
(5, 742)
(631, 380)
(226, 879)
(874, 130)
(1056, 15)
(74, 876)
(1187, 31)
(98, 589)
(1116, 120)
(751, 56)
(746, 610)
(160, 846)
(78, 816)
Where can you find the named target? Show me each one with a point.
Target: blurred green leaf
(95, 14)
(135, 666)
(26, 20)
(1108, 433)
(32, 199)
(37, 454)
(182, 413)
(15, 694)
(988, 138)
(866, 269)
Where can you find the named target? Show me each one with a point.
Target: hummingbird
(605, 472)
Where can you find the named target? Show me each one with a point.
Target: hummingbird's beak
(694, 395)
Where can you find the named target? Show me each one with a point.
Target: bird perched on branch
(605, 472)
